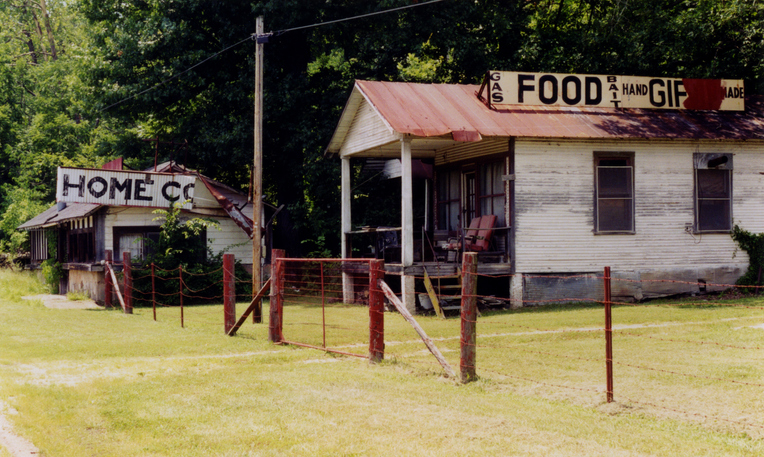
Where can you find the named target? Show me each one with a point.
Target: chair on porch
(477, 237)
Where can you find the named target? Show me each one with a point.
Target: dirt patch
(62, 302)
(16, 445)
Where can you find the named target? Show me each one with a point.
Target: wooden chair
(477, 237)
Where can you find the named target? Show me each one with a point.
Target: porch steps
(441, 291)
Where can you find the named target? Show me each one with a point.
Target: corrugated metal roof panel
(53, 216)
(427, 110)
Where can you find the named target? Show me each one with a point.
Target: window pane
(713, 184)
(614, 182)
(453, 216)
(132, 243)
(714, 214)
(614, 215)
(453, 178)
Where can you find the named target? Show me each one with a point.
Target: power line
(175, 76)
(254, 36)
(392, 10)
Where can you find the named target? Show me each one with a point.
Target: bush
(181, 244)
(753, 244)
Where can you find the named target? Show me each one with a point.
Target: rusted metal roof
(437, 110)
(53, 216)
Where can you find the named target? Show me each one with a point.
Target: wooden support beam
(469, 317)
(116, 288)
(255, 303)
(229, 293)
(433, 295)
(427, 341)
(376, 312)
(407, 205)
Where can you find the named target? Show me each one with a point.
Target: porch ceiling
(421, 148)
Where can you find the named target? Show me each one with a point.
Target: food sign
(610, 91)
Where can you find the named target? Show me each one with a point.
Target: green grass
(98, 382)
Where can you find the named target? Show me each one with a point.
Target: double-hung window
(614, 193)
(713, 192)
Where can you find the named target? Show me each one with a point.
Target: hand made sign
(610, 91)
(124, 188)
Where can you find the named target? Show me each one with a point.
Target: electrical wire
(255, 37)
(319, 24)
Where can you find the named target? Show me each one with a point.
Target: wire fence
(324, 304)
(698, 358)
(189, 295)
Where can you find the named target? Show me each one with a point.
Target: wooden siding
(466, 151)
(230, 236)
(367, 131)
(554, 197)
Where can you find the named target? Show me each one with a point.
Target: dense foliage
(75, 80)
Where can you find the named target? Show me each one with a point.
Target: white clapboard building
(112, 209)
(644, 175)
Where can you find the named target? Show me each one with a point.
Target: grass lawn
(100, 383)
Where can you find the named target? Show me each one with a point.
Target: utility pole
(257, 170)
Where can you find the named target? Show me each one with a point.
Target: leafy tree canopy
(91, 101)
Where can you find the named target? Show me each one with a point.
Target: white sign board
(610, 91)
(124, 188)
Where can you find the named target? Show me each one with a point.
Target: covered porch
(467, 177)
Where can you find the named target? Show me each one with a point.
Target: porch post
(346, 190)
(407, 225)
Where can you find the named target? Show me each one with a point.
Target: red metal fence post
(127, 270)
(275, 324)
(376, 312)
(229, 293)
(469, 317)
(108, 286)
(153, 292)
(180, 289)
(608, 336)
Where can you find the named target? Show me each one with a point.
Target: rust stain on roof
(429, 110)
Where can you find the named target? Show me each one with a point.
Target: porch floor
(445, 268)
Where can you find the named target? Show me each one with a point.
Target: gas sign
(611, 91)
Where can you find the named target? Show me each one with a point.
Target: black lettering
(613, 87)
(94, 181)
(593, 90)
(496, 86)
(126, 187)
(625, 89)
(669, 93)
(496, 97)
(167, 195)
(80, 186)
(185, 191)
(653, 93)
(741, 95)
(542, 89)
(522, 87)
(616, 102)
(495, 76)
(566, 95)
(642, 89)
(140, 188)
(631, 90)
(612, 79)
(677, 92)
